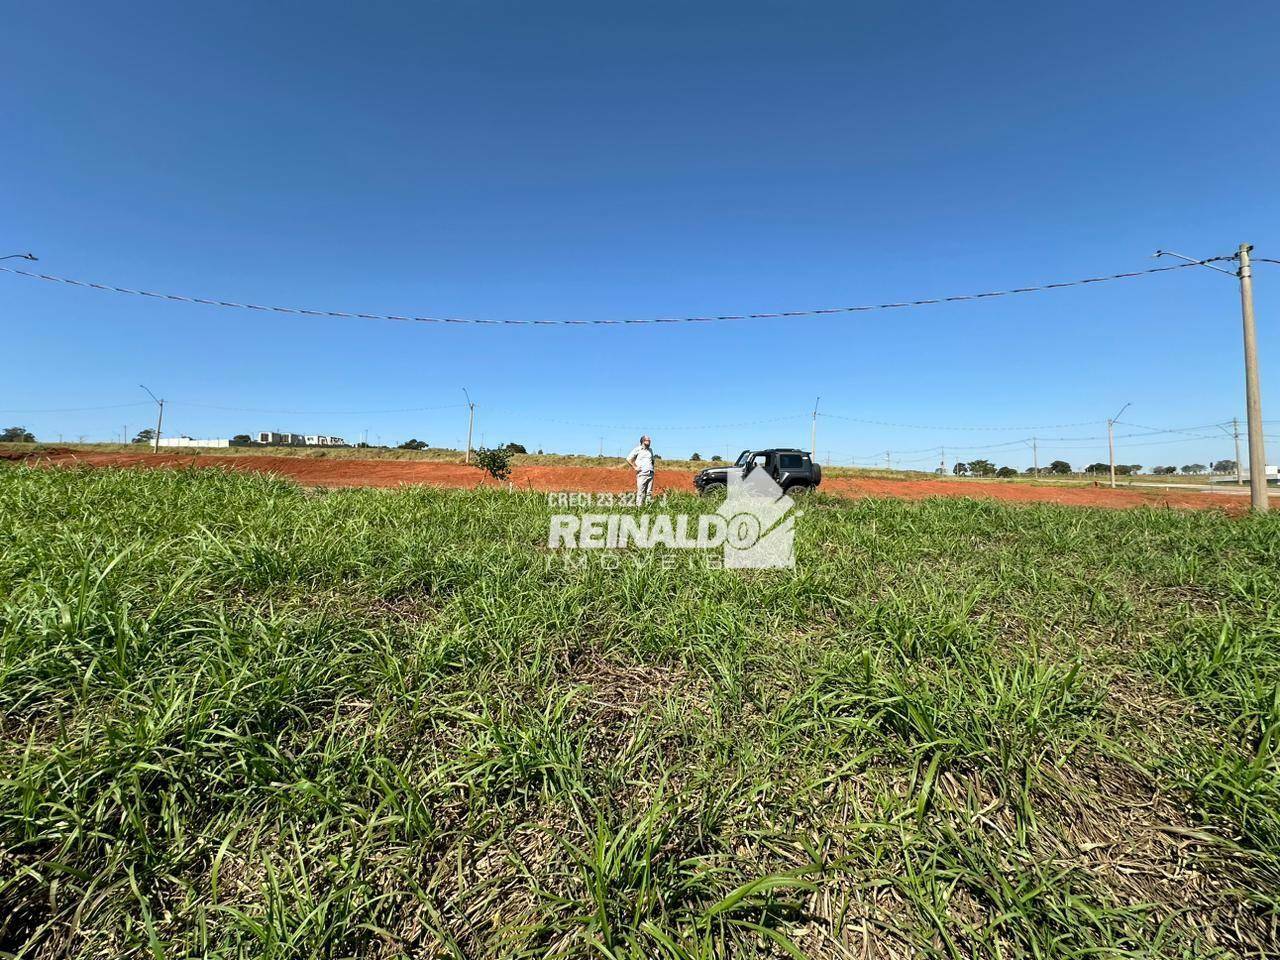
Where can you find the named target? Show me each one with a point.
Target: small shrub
(495, 461)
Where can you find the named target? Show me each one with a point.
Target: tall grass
(243, 719)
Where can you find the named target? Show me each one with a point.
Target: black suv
(793, 470)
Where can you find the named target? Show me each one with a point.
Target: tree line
(985, 468)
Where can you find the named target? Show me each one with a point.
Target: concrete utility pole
(1234, 432)
(1035, 458)
(155, 441)
(471, 421)
(1252, 391)
(888, 460)
(1111, 441)
(813, 430)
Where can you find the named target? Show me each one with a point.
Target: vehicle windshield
(743, 458)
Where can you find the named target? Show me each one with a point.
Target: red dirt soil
(395, 473)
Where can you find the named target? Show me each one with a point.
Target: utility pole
(943, 464)
(155, 441)
(1111, 449)
(888, 460)
(1235, 433)
(813, 430)
(1252, 391)
(1111, 441)
(471, 421)
(1035, 458)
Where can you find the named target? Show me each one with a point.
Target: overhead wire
(921, 426)
(110, 406)
(771, 315)
(328, 413)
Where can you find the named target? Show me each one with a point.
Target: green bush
(495, 461)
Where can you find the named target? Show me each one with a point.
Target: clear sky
(587, 160)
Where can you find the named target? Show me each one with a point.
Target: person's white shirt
(642, 457)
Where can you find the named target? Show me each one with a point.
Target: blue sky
(577, 161)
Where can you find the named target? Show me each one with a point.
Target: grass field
(243, 719)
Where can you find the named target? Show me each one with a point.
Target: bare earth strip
(395, 473)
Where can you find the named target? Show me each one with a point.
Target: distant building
(193, 442)
(272, 439)
(1272, 474)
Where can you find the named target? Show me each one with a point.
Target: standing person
(641, 461)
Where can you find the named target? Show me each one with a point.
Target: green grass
(243, 719)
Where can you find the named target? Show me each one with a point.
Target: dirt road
(394, 473)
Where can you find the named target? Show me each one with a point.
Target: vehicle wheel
(798, 490)
(714, 490)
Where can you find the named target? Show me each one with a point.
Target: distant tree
(1193, 468)
(242, 438)
(1059, 467)
(982, 468)
(1163, 471)
(145, 436)
(515, 448)
(717, 458)
(1006, 472)
(1224, 466)
(413, 444)
(696, 457)
(1127, 469)
(17, 435)
(960, 469)
(362, 445)
(494, 461)
(1098, 468)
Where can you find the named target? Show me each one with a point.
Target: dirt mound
(395, 473)
(38, 454)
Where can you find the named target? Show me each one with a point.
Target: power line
(657, 427)
(921, 426)
(1125, 436)
(690, 319)
(111, 406)
(1151, 443)
(318, 413)
(1062, 443)
(938, 448)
